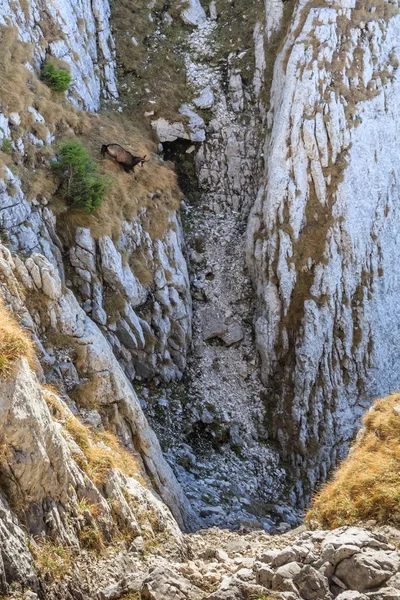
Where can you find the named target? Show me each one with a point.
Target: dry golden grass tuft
(51, 560)
(102, 449)
(14, 343)
(367, 484)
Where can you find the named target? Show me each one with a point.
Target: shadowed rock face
(321, 235)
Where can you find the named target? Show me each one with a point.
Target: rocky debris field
(219, 405)
(350, 563)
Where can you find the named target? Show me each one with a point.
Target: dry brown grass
(51, 560)
(127, 194)
(367, 484)
(102, 449)
(14, 343)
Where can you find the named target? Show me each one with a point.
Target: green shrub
(81, 186)
(56, 79)
(6, 146)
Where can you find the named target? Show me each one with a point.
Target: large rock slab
(367, 569)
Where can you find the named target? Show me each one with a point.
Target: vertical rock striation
(322, 242)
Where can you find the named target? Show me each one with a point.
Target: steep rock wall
(78, 33)
(322, 234)
(49, 281)
(81, 354)
(218, 415)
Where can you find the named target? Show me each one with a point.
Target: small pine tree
(56, 79)
(81, 185)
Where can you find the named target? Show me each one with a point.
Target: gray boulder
(311, 584)
(282, 581)
(367, 569)
(163, 583)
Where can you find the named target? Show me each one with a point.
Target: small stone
(205, 99)
(367, 569)
(245, 574)
(221, 556)
(311, 584)
(282, 581)
(286, 555)
(264, 576)
(14, 118)
(268, 556)
(233, 335)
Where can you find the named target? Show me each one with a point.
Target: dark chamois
(127, 160)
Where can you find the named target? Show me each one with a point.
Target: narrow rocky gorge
(197, 354)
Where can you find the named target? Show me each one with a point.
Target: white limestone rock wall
(77, 32)
(229, 162)
(39, 470)
(322, 235)
(16, 563)
(84, 356)
(43, 481)
(150, 330)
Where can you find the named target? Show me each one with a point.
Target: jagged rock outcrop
(321, 236)
(152, 340)
(16, 560)
(89, 357)
(52, 496)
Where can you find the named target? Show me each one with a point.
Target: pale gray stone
(194, 14)
(367, 569)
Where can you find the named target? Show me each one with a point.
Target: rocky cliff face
(75, 32)
(265, 310)
(321, 236)
(65, 477)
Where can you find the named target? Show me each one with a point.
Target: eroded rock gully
(253, 330)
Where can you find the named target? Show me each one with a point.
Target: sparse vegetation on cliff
(125, 197)
(150, 49)
(367, 484)
(101, 449)
(51, 560)
(56, 79)
(82, 187)
(14, 342)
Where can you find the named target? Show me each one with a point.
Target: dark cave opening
(182, 153)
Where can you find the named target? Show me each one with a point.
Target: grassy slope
(14, 343)
(367, 484)
(127, 195)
